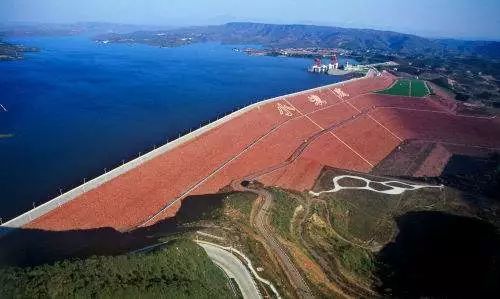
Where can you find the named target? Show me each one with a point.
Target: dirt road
(261, 222)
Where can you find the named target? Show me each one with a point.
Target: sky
(467, 19)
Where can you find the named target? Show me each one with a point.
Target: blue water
(78, 107)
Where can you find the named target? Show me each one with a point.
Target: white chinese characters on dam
(285, 109)
(340, 93)
(316, 100)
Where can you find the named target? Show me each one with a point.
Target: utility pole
(84, 191)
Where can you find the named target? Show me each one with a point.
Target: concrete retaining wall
(100, 180)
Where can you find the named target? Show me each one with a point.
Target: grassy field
(241, 202)
(405, 87)
(325, 240)
(282, 211)
(419, 88)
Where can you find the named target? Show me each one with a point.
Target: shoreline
(68, 196)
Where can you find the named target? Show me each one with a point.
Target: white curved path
(234, 268)
(397, 187)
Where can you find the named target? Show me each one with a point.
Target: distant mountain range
(268, 35)
(55, 29)
(282, 36)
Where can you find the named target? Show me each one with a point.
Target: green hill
(181, 270)
(282, 36)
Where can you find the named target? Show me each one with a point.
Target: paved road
(234, 268)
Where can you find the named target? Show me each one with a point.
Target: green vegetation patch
(241, 201)
(355, 259)
(362, 215)
(419, 88)
(352, 258)
(406, 87)
(282, 211)
(181, 270)
(400, 88)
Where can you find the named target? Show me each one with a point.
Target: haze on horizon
(465, 19)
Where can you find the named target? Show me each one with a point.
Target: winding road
(261, 222)
(234, 268)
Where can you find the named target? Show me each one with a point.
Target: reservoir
(77, 108)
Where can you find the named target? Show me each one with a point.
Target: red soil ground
(271, 178)
(160, 179)
(299, 175)
(328, 150)
(262, 140)
(333, 115)
(368, 101)
(442, 127)
(443, 97)
(424, 158)
(368, 139)
(275, 148)
(435, 162)
(368, 85)
(403, 160)
(303, 103)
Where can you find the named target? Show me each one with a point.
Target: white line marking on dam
(331, 133)
(400, 188)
